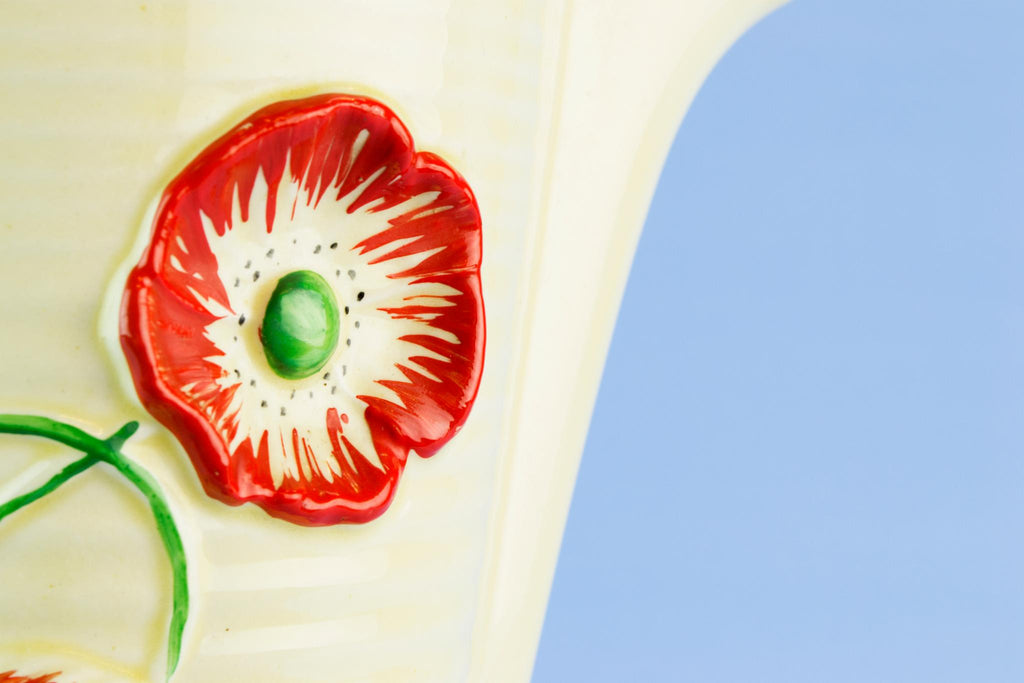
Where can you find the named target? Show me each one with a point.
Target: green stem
(108, 451)
(72, 470)
(175, 552)
(75, 468)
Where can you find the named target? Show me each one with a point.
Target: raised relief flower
(13, 677)
(308, 310)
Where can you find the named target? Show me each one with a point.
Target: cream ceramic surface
(559, 116)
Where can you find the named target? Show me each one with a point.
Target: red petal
(13, 677)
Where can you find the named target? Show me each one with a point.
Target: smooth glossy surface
(526, 99)
(300, 328)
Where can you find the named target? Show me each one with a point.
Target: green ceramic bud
(300, 326)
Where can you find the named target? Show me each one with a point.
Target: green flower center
(300, 326)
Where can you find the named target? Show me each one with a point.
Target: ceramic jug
(555, 118)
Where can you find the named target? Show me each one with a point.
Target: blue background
(806, 462)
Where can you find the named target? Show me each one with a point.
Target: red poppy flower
(308, 309)
(13, 677)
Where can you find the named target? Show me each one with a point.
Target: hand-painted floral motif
(13, 677)
(308, 309)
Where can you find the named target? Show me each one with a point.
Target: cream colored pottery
(559, 116)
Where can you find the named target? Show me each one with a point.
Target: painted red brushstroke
(13, 677)
(162, 323)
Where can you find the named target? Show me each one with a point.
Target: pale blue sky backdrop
(806, 463)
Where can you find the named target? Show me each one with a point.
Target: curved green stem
(175, 552)
(108, 452)
(75, 468)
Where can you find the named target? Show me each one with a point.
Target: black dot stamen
(238, 373)
(346, 310)
(327, 375)
(360, 295)
(263, 404)
(237, 282)
(293, 394)
(283, 413)
(333, 389)
(270, 253)
(344, 369)
(351, 275)
(241, 319)
(311, 394)
(357, 324)
(252, 383)
(316, 249)
(248, 264)
(348, 342)
(256, 276)
(334, 245)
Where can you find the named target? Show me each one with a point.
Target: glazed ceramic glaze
(304, 312)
